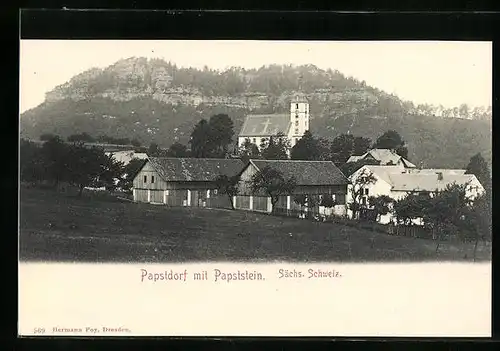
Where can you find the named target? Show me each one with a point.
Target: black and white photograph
(255, 188)
(255, 151)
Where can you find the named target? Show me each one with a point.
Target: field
(58, 227)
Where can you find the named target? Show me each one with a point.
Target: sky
(446, 73)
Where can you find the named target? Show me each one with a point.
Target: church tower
(299, 117)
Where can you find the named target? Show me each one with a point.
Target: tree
(357, 187)
(276, 148)
(55, 157)
(306, 148)
(84, 166)
(135, 142)
(448, 212)
(200, 140)
(228, 185)
(248, 150)
(381, 205)
(178, 150)
(480, 218)
(111, 172)
(347, 145)
(83, 137)
(393, 141)
(324, 149)
(220, 134)
(153, 150)
(411, 207)
(301, 200)
(31, 166)
(341, 148)
(272, 183)
(212, 138)
(360, 145)
(47, 136)
(478, 166)
(327, 201)
(312, 203)
(463, 111)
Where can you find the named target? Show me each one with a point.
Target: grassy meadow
(59, 227)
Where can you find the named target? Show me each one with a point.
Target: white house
(126, 156)
(384, 156)
(396, 182)
(259, 128)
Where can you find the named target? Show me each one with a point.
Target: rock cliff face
(139, 78)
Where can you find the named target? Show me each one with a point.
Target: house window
(296, 130)
(366, 191)
(363, 201)
(296, 123)
(297, 106)
(152, 179)
(145, 179)
(254, 140)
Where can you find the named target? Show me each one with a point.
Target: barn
(321, 178)
(183, 181)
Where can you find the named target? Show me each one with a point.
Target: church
(259, 128)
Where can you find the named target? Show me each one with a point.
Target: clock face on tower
(299, 115)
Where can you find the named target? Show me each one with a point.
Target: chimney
(440, 175)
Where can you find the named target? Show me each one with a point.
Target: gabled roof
(383, 172)
(440, 170)
(194, 169)
(420, 179)
(385, 156)
(265, 125)
(355, 158)
(427, 181)
(305, 172)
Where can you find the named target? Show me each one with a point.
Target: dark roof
(306, 172)
(265, 125)
(194, 169)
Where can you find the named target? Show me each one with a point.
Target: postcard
(255, 188)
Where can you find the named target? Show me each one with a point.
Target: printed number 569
(39, 330)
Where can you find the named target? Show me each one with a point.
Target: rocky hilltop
(156, 101)
(156, 79)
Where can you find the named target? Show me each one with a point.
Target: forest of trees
(76, 163)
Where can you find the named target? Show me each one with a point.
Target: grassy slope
(110, 231)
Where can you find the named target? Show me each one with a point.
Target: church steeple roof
(299, 97)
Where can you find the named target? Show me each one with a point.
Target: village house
(396, 182)
(386, 157)
(183, 181)
(312, 178)
(258, 128)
